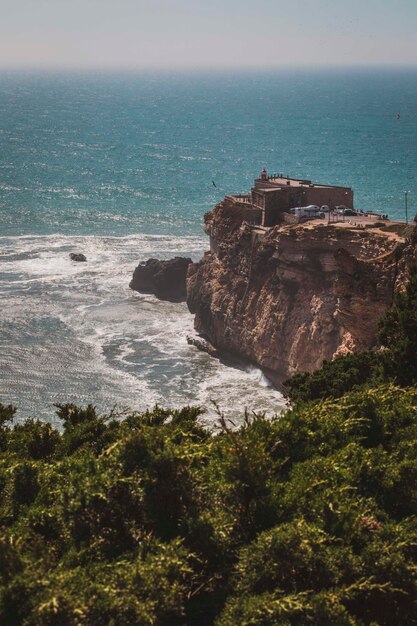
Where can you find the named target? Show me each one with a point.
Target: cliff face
(289, 297)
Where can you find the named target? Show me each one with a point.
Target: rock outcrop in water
(78, 257)
(288, 297)
(165, 279)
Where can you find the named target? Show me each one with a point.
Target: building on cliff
(273, 196)
(289, 297)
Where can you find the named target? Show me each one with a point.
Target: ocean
(122, 167)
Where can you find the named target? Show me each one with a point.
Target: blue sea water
(121, 167)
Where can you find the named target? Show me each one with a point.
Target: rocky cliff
(288, 297)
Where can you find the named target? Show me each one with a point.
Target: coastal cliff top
(365, 236)
(393, 231)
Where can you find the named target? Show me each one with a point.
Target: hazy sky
(210, 33)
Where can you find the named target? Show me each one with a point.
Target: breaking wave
(75, 332)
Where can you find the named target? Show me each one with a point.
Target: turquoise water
(121, 167)
(103, 154)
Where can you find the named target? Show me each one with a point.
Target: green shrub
(309, 518)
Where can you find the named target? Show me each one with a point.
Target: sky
(206, 33)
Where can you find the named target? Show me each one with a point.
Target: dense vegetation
(309, 518)
(306, 519)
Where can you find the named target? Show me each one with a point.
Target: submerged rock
(165, 279)
(77, 256)
(203, 346)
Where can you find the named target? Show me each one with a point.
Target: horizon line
(204, 68)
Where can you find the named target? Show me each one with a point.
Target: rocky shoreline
(284, 298)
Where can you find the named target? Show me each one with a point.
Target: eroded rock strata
(288, 297)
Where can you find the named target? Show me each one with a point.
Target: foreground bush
(305, 519)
